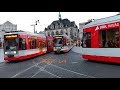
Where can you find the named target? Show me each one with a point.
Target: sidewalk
(1, 56)
(77, 49)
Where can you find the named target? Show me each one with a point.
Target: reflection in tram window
(22, 44)
(109, 38)
(0, 45)
(10, 44)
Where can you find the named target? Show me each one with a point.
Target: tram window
(86, 41)
(0, 45)
(109, 38)
(33, 44)
(22, 44)
(37, 44)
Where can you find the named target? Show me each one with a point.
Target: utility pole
(36, 21)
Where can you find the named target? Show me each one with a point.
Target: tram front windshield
(58, 42)
(10, 44)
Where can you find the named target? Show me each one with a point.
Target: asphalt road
(68, 65)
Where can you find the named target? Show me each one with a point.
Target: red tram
(24, 45)
(62, 43)
(101, 40)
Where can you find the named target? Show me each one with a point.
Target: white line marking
(25, 70)
(40, 69)
(74, 71)
(52, 74)
(36, 73)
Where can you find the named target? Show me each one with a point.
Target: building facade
(62, 26)
(8, 26)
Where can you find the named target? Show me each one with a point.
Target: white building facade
(62, 26)
(8, 26)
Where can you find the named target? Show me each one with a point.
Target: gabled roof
(64, 22)
(102, 21)
(7, 22)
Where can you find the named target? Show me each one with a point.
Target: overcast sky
(24, 20)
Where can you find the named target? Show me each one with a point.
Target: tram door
(102, 38)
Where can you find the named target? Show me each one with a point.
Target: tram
(101, 40)
(62, 43)
(24, 45)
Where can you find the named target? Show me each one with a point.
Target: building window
(66, 33)
(52, 33)
(75, 34)
(48, 33)
(57, 33)
(61, 32)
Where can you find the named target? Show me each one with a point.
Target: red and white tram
(101, 40)
(50, 43)
(62, 43)
(24, 45)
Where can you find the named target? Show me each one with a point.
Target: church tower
(59, 16)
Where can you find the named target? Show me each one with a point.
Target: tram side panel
(97, 51)
(50, 43)
(27, 48)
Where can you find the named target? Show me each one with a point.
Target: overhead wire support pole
(36, 21)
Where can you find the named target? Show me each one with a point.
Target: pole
(35, 24)
(34, 28)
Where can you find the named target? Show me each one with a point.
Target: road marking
(43, 69)
(36, 73)
(52, 74)
(40, 69)
(73, 71)
(24, 70)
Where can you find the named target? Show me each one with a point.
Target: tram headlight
(14, 52)
(6, 52)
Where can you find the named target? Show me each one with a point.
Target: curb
(71, 48)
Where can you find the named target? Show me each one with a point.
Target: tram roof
(102, 21)
(26, 33)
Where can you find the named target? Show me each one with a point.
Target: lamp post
(36, 21)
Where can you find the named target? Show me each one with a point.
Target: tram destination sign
(59, 37)
(11, 36)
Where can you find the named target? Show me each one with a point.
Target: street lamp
(36, 21)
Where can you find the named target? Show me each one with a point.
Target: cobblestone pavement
(68, 65)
